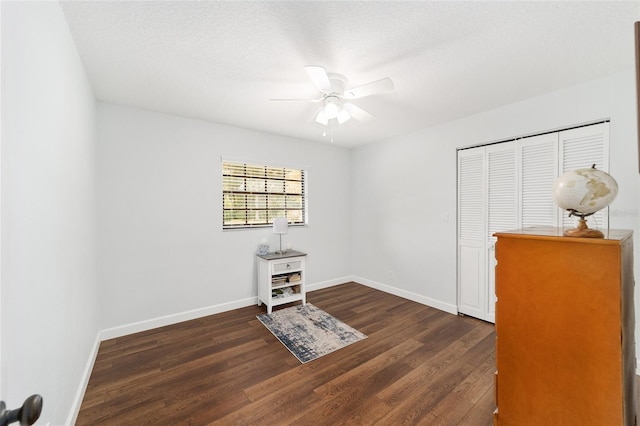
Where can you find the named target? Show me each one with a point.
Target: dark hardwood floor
(418, 366)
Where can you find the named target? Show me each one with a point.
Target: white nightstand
(281, 278)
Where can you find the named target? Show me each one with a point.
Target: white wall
(163, 255)
(404, 210)
(403, 220)
(49, 292)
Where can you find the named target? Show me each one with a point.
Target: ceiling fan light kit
(322, 117)
(331, 107)
(332, 86)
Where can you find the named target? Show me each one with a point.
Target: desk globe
(583, 192)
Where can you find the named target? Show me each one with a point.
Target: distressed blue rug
(309, 332)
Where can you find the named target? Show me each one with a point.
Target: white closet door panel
(471, 231)
(503, 211)
(471, 297)
(581, 148)
(502, 184)
(471, 194)
(538, 171)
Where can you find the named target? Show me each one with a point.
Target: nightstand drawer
(294, 265)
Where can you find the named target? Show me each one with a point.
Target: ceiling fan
(335, 98)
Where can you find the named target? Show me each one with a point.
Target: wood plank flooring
(418, 366)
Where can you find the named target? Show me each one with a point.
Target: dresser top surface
(611, 236)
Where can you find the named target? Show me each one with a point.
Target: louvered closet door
(538, 171)
(502, 206)
(502, 184)
(508, 186)
(580, 148)
(471, 232)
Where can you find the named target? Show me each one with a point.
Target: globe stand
(582, 231)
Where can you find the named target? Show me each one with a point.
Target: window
(253, 194)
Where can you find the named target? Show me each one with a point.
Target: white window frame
(257, 188)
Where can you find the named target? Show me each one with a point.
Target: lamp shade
(280, 225)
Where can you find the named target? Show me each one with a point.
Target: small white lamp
(280, 227)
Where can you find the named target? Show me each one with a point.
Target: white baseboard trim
(330, 283)
(145, 325)
(446, 307)
(123, 330)
(84, 381)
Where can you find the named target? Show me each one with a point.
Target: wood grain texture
(418, 366)
(565, 330)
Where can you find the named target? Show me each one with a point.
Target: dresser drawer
(282, 267)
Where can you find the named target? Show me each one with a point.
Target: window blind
(254, 194)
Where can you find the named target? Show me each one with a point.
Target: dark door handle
(26, 415)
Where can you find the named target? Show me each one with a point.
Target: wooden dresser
(565, 322)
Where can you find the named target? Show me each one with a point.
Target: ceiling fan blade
(358, 113)
(319, 77)
(298, 100)
(378, 86)
(343, 116)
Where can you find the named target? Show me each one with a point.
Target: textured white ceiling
(223, 61)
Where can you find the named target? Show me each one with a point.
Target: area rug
(309, 332)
